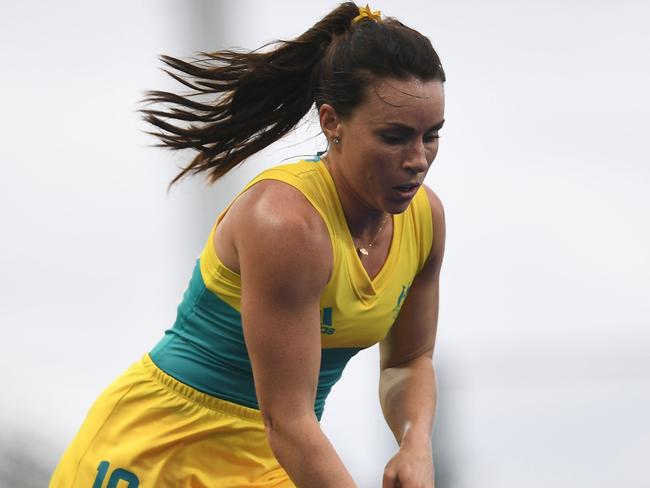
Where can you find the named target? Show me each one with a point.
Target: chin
(396, 207)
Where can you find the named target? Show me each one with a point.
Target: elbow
(275, 422)
(287, 429)
(276, 431)
(281, 422)
(274, 428)
(273, 425)
(423, 356)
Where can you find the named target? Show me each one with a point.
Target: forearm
(307, 455)
(408, 396)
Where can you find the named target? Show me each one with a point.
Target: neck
(363, 220)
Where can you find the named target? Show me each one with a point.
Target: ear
(329, 121)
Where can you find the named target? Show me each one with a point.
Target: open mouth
(407, 189)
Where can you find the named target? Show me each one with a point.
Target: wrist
(414, 437)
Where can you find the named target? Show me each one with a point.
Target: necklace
(363, 251)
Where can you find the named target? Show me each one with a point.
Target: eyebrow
(404, 127)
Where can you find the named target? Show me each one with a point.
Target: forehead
(409, 101)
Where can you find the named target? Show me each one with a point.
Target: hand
(410, 468)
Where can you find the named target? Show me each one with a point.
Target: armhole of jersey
(288, 178)
(271, 174)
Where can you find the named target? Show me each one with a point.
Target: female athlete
(312, 262)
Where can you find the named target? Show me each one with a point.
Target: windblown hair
(258, 97)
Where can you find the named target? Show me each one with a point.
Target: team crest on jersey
(400, 300)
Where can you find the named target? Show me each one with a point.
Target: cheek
(382, 166)
(432, 152)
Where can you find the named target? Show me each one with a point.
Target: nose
(416, 160)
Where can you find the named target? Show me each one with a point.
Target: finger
(390, 480)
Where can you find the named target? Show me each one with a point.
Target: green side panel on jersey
(205, 349)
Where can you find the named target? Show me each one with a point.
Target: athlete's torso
(205, 347)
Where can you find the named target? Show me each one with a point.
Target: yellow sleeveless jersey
(205, 348)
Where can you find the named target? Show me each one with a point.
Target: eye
(431, 138)
(392, 139)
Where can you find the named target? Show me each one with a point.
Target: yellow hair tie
(366, 13)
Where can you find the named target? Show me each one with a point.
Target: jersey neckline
(365, 287)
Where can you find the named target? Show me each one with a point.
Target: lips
(407, 190)
(407, 187)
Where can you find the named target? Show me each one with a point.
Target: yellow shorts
(149, 430)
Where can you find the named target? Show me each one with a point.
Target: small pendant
(362, 250)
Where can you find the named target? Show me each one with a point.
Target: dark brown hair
(255, 98)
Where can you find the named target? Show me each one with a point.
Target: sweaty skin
(280, 246)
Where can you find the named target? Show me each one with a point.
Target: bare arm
(407, 387)
(285, 259)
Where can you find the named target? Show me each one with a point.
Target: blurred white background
(544, 169)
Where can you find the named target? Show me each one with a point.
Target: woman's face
(389, 142)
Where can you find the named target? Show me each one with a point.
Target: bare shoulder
(277, 210)
(439, 229)
(437, 209)
(273, 225)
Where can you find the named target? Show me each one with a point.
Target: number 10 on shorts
(116, 476)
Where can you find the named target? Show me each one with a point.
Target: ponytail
(257, 97)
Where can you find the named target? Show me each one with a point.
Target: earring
(336, 140)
